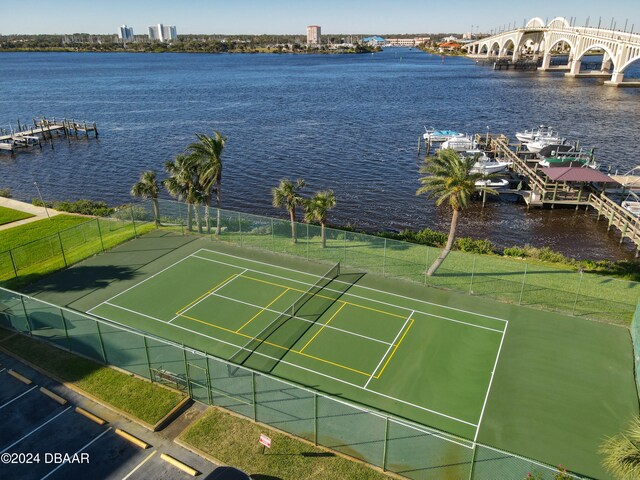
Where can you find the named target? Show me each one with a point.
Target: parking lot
(44, 436)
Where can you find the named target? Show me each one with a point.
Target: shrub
(518, 252)
(470, 245)
(85, 207)
(5, 192)
(545, 254)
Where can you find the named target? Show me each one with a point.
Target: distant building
(373, 41)
(125, 33)
(163, 33)
(407, 42)
(313, 35)
(451, 39)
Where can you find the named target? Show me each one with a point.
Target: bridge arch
(507, 46)
(535, 22)
(495, 49)
(484, 49)
(559, 22)
(593, 46)
(631, 60)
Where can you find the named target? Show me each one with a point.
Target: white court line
(493, 372)
(209, 294)
(389, 349)
(140, 464)
(76, 452)
(303, 319)
(294, 365)
(16, 398)
(140, 283)
(35, 429)
(359, 286)
(358, 296)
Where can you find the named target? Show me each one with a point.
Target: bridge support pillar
(575, 68)
(616, 79)
(546, 61)
(606, 63)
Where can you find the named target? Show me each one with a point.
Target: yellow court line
(278, 346)
(261, 311)
(324, 296)
(208, 292)
(394, 350)
(322, 328)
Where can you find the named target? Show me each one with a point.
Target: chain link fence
(408, 449)
(562, 290)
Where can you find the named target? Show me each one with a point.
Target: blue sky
(292, 16)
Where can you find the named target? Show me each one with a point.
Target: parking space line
(20, 377)
(140, 465)
(76, 452)
(16, 398)
(35, 430)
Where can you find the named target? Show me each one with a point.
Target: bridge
(537, 39)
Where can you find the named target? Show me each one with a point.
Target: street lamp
(42, 201)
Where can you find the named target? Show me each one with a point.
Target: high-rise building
(125, 33)
(313, 35)
(163, 33)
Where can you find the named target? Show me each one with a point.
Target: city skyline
(291, 17)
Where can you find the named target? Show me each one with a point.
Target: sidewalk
(38, 212)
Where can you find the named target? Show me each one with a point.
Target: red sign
(264, 440)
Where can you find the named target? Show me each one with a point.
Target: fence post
(386, 441)
(64, 258)
(473, 460)
(384, 258)
(66, 332)
(180, 217)
(307, 241)
(273, 237)
(13, 263)
(240, 227)
(209, 396)
(146, 351)
(473, 271)
(315, 419)
(253, 389)
(100, 233)
(104, 352)
(575, 303)
(26, 316)
(426, 266)
(133, 220)
(186, 371)
(345, 248)
(524, 276)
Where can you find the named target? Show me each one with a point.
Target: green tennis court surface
(422, 361)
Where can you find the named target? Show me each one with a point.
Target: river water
(346, 122)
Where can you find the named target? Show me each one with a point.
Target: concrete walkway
(38, 212)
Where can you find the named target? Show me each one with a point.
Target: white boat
(460, 144)
(6, 146)
(440, 135)
(543, 141)
(25, 141)
(495, 183)
(632, 204)
(487, 165)
(530, 135)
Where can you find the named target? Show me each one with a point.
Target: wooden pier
(43, 129)
(539, 191)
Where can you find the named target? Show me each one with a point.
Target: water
(346, 122)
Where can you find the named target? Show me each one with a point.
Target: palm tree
(148, 187)
(182, 182)
(449, 180)
(317, 208)
(286, 195)
(208, 153)
(622, 453)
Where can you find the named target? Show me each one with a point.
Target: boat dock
(539, 190)
(43, 129)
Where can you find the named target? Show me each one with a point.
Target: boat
(632, 204)
(485, 164)
(25, 140)
(571, 158)
(530, 135)
(542, 141)
(460, 144)
(556, 149)
(494, 183)
(440, 135)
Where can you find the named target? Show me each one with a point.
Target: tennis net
(287, 337)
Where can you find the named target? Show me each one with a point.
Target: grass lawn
(137, 397)
(8, 215)
(22, 234)
(234, 441)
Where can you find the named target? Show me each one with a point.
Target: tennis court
(424, 362)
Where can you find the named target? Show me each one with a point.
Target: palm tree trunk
(324, 240)
(189, 219)
(292, 215)
(207, 215)
(196, 209)
(448, 246)
(218, 203)
(156, 211)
